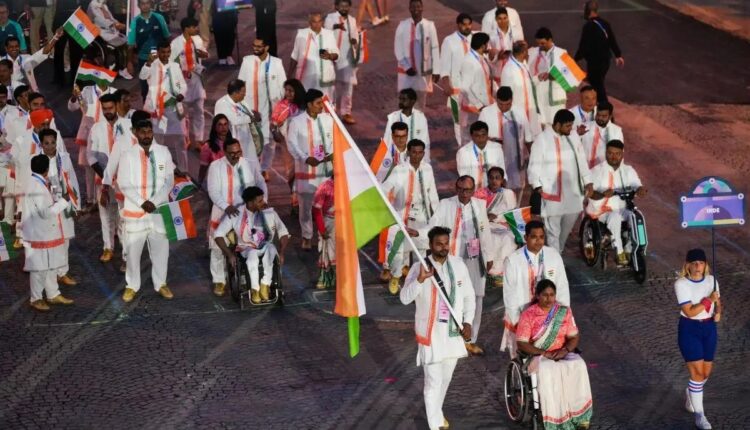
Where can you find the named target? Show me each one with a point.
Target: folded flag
(178, 220)
(7, 251)
(93, 73)
(183, 188)
(566, 72)
(517, 220)
(80, 28)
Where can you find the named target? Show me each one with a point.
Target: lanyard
(411, 123)
(268, 85)
(264, 226)
(424, 194)
(534, 276)
(584, 116)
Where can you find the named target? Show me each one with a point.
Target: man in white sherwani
(346, 33)
(314, 55)
(439, 339)
(44, 240)
(166, 92)
(523, 270)
(414, 118)
(145, 175)
(264, 78)
(188, 51)
(559, 172)
(227, 178)
(310, 141)
(585, 110)
(246, 124)
(417, 52)
(550, 95)
(477, 157)
(489, 24)
(602, 132)
(471, 240)
(415, 197)
(517, 77)
(475, 84)
(452, 52)
(508, 126)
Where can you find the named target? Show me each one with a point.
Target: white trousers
(614, 224)
(344, 95)
(195, 119)
(305, 194)
(268, 154)
(122, 232)
(558, 229)
(217, 265)
(8, 196)
(176, 145)
(479, 282)
(437, 378)
(43, 281)
(505, 244)
(88, 172)
(158, 249)
(63, 270)
(109, 218)
(330, 92)
(264, 256)
(477, 319)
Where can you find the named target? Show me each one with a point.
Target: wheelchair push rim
(516, 396)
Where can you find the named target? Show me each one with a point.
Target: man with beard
(604, 131)
(412, 117)
(346, 32)
(452, 52)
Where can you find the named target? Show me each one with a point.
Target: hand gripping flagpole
(399, 221)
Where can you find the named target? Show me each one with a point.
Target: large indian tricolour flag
(360, 212)
(566, 72)
(80, 28)
(93, 73)
(178, 220)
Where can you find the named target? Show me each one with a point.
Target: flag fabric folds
(178, 220)
(517, 220)
(80, 28)
(183, 188)
(93, 73)
(566, 72)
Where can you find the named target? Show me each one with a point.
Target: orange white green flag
(360, 213)
(566, 72)
(80, 28)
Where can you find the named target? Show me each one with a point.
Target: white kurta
(475, 162)
(264, 81)
(349, 57)
(603, 178)
(124, 140)
(241, 120)
(226, 183)
(550, 95)
(489, 22)
(418, 128)
(558, 165)
(313, 71)
(513, 130)
(435, 344)
(517, 76)
(583, 118)
(452, 52)
(596, 139)
(310, 137)
(23, 67)
(165, 83)
(504, 200)
(475, 83)
(64, 183)
(24, 148)
(88, 102)
(502, 42)
(42, 224)
(416, 46)
(192, 72)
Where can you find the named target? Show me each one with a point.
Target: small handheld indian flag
(183, 188)
(566, 72)
(80, 28)
(178, 220)
(382, 162)
(517, 220)
(7, 251)
(93, 73)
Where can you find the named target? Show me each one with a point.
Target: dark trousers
(76, 54)
(265, 22)
(144, 84)
(595, 73)
(225, 29)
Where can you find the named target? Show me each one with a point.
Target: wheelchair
(238, 280)
(596, 239)
(521, 397)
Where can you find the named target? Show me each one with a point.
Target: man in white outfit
(439, 339)
(471, 240)
(523, 270)
(314, 55)
(246, 124)
(475, 83)
(44, 240)
(602, 132)
(227, 178)
(499, 200)
(550, 95)
(585, 110)
(346, 32)
(414, 118)
(145, 175)
(264, 78)
(477, 157)
(310, 141)
(559, 173)
(24, 64)
(517, 77)
(489, 24)
(417, 52)
(452, 52)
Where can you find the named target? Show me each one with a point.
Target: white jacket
(468, 157)
(226, 183)
(41, 222)
(306, 52)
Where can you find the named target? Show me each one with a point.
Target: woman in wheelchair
(548, 333)
(255, 227)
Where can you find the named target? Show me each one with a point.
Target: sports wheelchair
(596, 239)
(521, 397)
(238, 279)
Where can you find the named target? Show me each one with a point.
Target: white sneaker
(125, 75)
(230, 61)
(702, 423)
(688, 403)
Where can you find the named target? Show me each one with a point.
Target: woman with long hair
(212, 148)
(290, 106)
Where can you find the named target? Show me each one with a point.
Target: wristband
(706, 304)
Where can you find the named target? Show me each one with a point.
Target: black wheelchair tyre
(590, 233)
(640, 274)
(517, 401)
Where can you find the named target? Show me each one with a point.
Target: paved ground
(198, 362)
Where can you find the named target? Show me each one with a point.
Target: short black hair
(18, 92)
(543, 33)
(465, 177)
(408, 92)
(10, 39)
(496, 169)
(120, 94)
(504, 94)
(33, 96)
(478, 126)
(414, 143)
(478, 40)
(47, 132)
(188, 21)
(251, 193)
(7, 63)
(616, 143)
(164, 44)
(543, 285)
(586, 88)
(399, 125)
(438, 231)
(144, 123)
(563, 116)
(138, 116)
(500, 11)
(3, 90)
(40, 164)
(235, 85)
(229, 142)
(605, 106)
(312, 95)
(463, 17)
(108, 98)
(519, 46)
(533, 225)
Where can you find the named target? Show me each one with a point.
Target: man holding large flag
(145, 176)
(440, 340)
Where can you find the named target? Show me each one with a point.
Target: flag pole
(396, 216)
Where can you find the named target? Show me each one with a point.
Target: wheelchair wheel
(233, 280)
(640, 274)
(590, 241)
(517, 399)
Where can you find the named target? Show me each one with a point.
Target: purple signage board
(713, 203)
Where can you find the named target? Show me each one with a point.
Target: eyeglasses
(465, 190)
